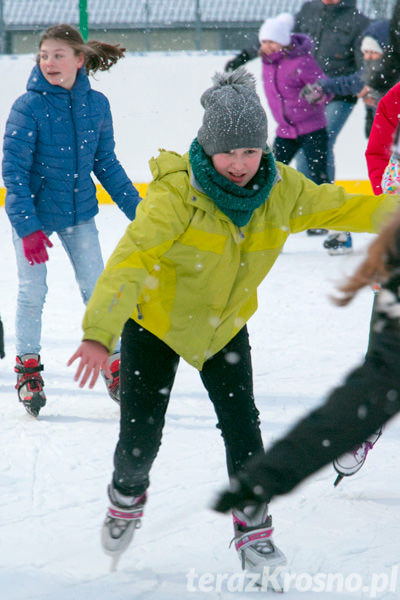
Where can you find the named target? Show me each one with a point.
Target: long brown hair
(99, 56)
(377, 266)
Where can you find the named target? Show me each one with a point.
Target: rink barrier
(351, 186)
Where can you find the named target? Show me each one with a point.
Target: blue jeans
(81, 243)
(337, 112)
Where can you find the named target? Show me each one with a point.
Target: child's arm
(18, 151)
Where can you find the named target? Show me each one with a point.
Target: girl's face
(268, 47)
(59, 63)
(239, 166)
(371, 55)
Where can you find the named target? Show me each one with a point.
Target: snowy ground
(54, 470)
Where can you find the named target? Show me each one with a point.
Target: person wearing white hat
(287, 66)
(336, 28)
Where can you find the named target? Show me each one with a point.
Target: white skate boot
(256, 550)
(123, 518)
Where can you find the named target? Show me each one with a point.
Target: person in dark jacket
(368, 398)
(373, 44)
(57, 134)
(388, 75)
(375, 40)
(335, 27)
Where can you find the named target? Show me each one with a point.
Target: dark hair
(99, 56)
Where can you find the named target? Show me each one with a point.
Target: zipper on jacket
(75, 174)
(288, 121)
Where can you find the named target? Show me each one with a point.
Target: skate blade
(115, 558)
(273, 578)
(339, 251)
(33, 411)
(34, 405)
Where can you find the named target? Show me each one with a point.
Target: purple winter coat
(285, 73)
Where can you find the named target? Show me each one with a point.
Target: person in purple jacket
(57, 134)
(287, 67)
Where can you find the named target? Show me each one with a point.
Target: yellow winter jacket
(186, 273)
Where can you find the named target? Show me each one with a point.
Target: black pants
(369, 397)
(148, 368)
(315, 148)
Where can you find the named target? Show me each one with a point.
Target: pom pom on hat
(233, 116)
(277, 29)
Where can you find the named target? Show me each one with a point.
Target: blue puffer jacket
(54, 139)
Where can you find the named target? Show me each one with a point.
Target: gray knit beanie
(233, 117)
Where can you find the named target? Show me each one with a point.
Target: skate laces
(255, 535)
(363, 450)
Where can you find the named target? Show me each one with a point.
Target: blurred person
(368, 398)
(336, 28)
(380, 141)
(374, 41)
(287, 66)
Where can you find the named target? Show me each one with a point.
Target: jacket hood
(168, 162)
(300, 44)
(38, 83)
(379, 31)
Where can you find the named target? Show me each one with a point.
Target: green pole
(83, 19)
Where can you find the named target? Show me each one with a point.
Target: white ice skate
(351, 462)
(256, 550)
(123, 518)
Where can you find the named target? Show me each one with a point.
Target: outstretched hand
(94, 357)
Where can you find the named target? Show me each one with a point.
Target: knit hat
(233, 116)
(370, 44)
(277, 29)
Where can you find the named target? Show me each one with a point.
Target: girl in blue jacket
(57, 134)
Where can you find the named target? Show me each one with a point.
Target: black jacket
(368, 398)
(385, 78)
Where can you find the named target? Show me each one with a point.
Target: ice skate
(339, 242)
(123, 517)
(113, 382)
(30, 383)
(257, 552)
(351, 462)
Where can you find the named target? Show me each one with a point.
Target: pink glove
(35, 247)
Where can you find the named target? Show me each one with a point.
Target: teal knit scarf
(237, 203)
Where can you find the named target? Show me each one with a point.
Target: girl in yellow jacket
(183, 281)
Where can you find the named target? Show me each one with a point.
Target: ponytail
(98, 56)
